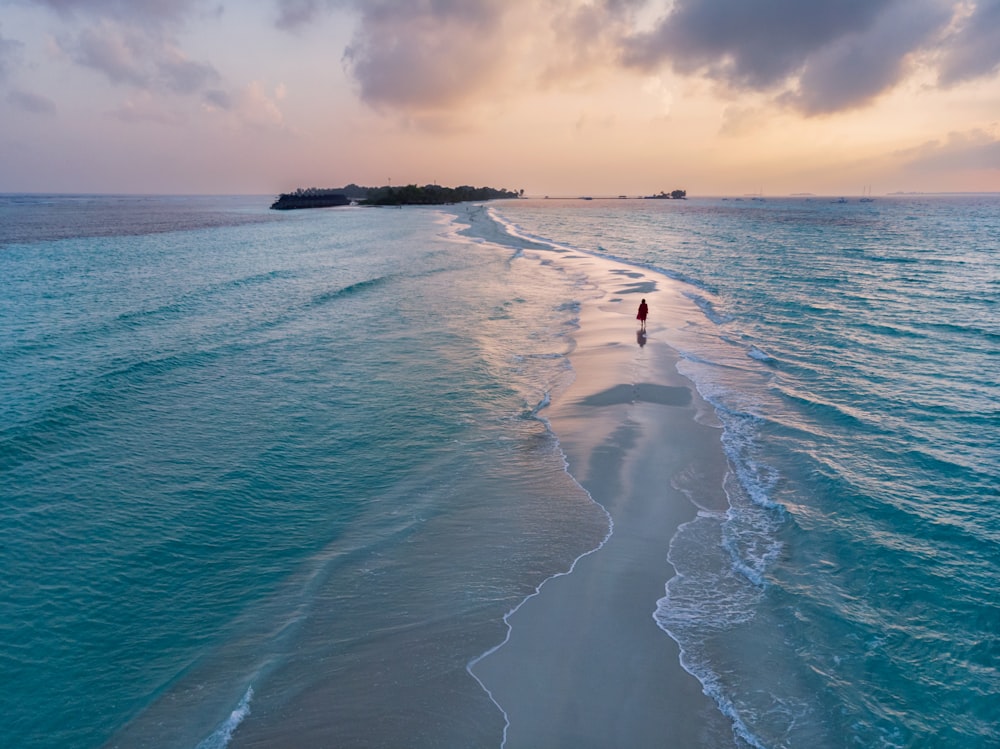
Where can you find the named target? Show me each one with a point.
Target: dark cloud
(755, 45)
(10, 51)
(293, 14)
(219, 99)
(415, 54)
(824, 55)
(29, 102)
(974, 50)
(429, 56)
(855, 69)
(584, 38)
(184, 76)
(115, 52)
(130, 56)
(422, 57)
(131, 42)
(818, 56)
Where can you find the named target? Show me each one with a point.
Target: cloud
(856, 68)
(660, 92)
(818, 57)
(425, 58)
(32, 103)
(253, 107)
(974, 49)
(739, 121)
(294, 14)
(144, 108)
(576, 43)
(259, 109)
(134, 42)
(754, 45)
(129, 55)
(219, 99)
(177, 73)
(143, 12)
(825, 55)
(26, 101)
(426, 54)
(116, 52)
(10, 52)
(972, 150)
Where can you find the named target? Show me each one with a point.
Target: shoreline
(585, 661)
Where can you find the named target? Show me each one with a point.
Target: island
(315, 197)
(673, 195)
(311, 197)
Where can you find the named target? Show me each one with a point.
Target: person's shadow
(640, 337)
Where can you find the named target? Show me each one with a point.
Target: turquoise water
(276, 480)
(847, 596)
(268, 464)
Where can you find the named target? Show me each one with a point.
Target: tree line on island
(325, 197)
(317, 197)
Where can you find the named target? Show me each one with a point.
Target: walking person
(641, 316)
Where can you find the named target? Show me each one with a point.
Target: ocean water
(254, 463)
(275, 480)
(846, 597)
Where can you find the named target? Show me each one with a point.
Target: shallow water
(286, 475)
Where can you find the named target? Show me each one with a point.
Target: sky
(553, 97)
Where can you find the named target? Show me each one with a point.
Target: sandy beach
(585, 663)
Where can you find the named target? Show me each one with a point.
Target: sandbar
(585, 663)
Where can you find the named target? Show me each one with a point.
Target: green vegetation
(311, 197)
(314, 197)
(673, 195)
(434, 195)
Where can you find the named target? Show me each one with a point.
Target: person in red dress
(643, 311)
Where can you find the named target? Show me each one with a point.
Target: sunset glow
(568, 98)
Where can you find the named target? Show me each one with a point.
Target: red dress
(643, 309)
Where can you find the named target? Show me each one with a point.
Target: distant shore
(314, 197)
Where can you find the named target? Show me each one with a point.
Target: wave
(185, 304)
(355, 288)
(503, 231)
(760, 355)
(832, 411)
(221, 737)
(43, 435)
(702, 601)
(178, 307)
(533, 411)
(708, 308)
(91, 399)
